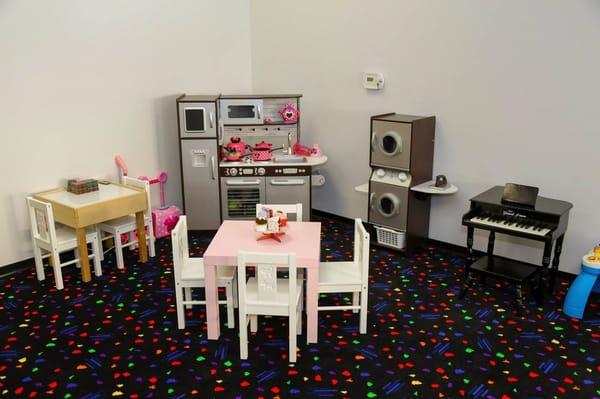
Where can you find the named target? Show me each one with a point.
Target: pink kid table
(301, 238)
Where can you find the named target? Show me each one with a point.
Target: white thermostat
(373, 80)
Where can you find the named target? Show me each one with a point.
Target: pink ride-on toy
(587, 282)
(164, 218)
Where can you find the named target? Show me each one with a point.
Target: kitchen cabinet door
(290, 190)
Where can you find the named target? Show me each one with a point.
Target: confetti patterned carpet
(118, 337)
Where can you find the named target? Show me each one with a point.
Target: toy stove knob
(380, 172)
(402, 176)
(233, 172)
(261, 171)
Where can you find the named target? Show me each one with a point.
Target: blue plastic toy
(584, 284)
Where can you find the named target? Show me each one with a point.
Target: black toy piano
(517, 210)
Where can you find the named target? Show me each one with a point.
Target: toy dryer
(401, 157)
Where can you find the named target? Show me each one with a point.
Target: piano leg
(555, 261)
(470, 232)
(520, 304)
(468, 282)
(490, 250)
(544, 271)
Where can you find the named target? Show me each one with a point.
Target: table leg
(141, 233)
(312, 297)
(86, 274)
(212, 301)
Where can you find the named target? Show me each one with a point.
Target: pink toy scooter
(164, 218)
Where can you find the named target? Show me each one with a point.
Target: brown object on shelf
(81, 186)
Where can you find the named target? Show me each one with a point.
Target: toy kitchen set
(240, 150)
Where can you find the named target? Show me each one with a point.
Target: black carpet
(117, 337)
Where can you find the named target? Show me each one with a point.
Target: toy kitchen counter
(283, 180)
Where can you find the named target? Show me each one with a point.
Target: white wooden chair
(189, 273)
(352, 277)
(265, 294)
(287, 208)
(127, 225)
(50, 240)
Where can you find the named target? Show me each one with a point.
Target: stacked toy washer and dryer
(401, 157)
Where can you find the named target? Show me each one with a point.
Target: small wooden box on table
(80, 211)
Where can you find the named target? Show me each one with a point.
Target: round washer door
(388, 205)
(390, 143)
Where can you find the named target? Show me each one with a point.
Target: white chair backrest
(361, 249)
(266, 265)
(144, 185)
(41, 217)
(179, 240)
(295, 209)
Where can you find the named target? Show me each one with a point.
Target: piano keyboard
(518, 226)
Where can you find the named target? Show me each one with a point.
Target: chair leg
(39, 263)
(100, 246)
(364, 299)
(355, 301)
(187, 295)
(78, 263)
(235, 291)
(97, 257)
(253, 323)
(179, 305)
(292, 337)
(299, 317)
(151, 242)
(55, 261)
(243, 333)
(229, 298)
(119, 250)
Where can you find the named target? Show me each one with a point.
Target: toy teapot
(235, 149)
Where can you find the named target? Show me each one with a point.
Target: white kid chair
(295, 209)
(50, 240)
(339, 277)
(127, 225)
(265, 294)
(189, 273)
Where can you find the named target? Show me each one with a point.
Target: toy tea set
(270, 223)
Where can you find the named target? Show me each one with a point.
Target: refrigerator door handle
(211, 118)
(212, 166)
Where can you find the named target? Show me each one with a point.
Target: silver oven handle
(244, 182)
(211, 118)
(259, 111)
(212, 166)
(287, 182)
(220, 132)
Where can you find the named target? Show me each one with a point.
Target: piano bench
(506, 269)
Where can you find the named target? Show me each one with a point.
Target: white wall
(514, 84)
(82, 81)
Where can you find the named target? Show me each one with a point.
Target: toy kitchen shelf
(429, 188)
(426, 188)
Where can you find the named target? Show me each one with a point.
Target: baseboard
(16, 267)
(462, 250)
(29, 263)
(332, 216)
